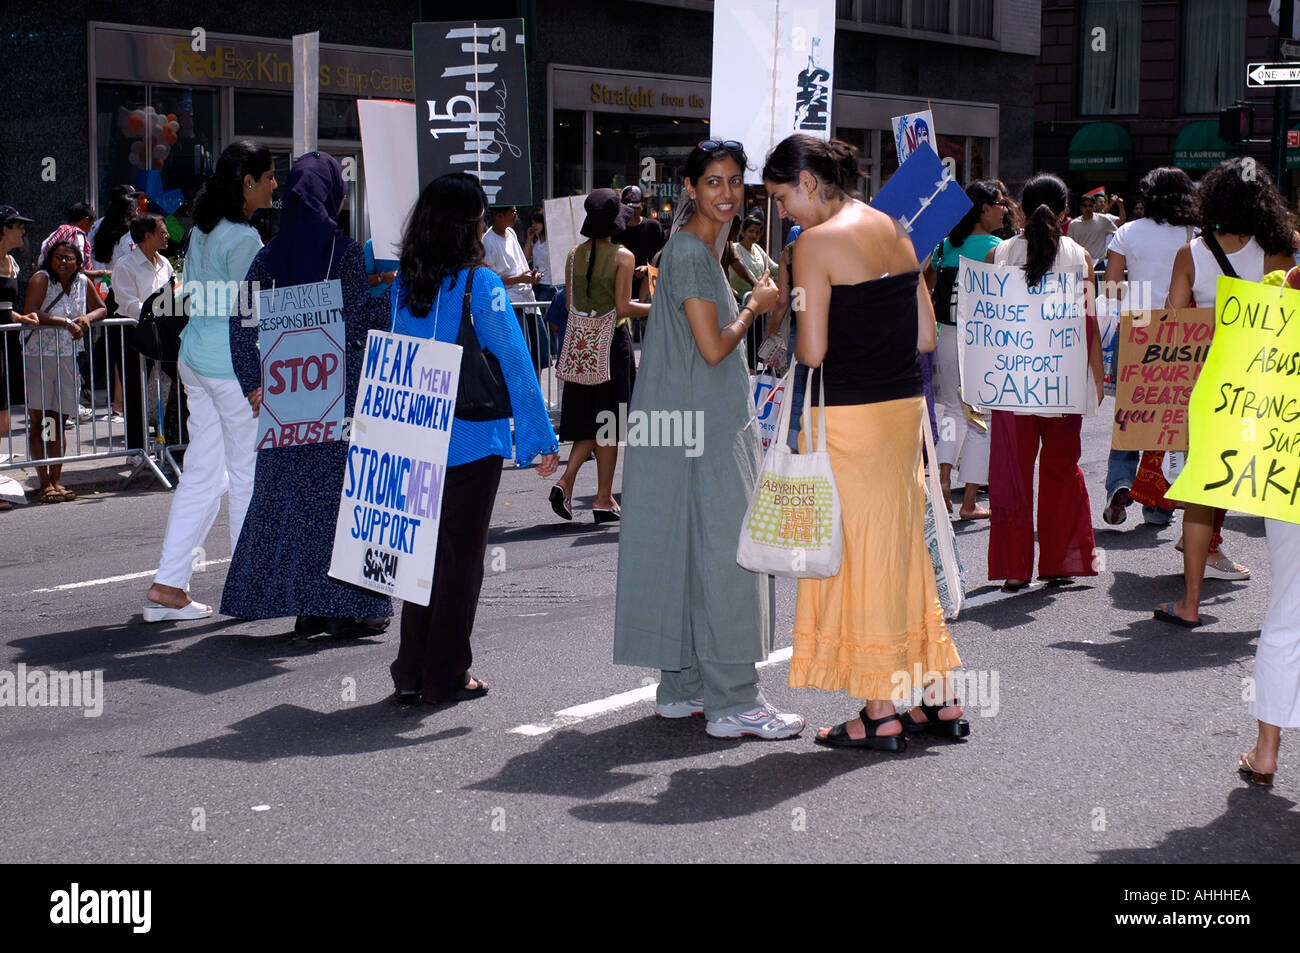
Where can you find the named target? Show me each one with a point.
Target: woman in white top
(1065, 540)
(221, 426)
(65, 303)
(1144, 249)
(1250, 222)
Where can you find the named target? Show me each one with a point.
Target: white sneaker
(84, 412)
(765, 722)
(153, 612)
(682, 709)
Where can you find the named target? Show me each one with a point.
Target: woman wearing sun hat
(599, 281)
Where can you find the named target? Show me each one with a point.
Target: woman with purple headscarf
(281, 565)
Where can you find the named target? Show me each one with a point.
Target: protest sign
(564, 218)
(925, 198)
(1160, 356)
(1243, 449)
(392, 183)
(769, 393)
(911, 131)
(471, 105)
(1021, 348)
(386, 537)
(773, 73)
(301, 337)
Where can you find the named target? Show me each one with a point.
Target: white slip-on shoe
(153, 612)
(765, 722)
(682, 709)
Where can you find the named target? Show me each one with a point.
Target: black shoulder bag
(944, 295)
(163, 316)
(482, 393)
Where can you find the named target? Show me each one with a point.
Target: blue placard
(925, 199)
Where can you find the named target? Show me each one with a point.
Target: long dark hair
(1168, 197)
(834, 164)
(441, 237)
(116, 223)
(1044, 198)
(981, 192)
(1239, 199)
(47, 263)
(222, 195)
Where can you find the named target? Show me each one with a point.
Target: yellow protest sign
(1244, 415)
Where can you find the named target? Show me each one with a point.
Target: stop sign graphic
(303, 377)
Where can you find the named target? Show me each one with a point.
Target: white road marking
(109, 579)
(576, 713)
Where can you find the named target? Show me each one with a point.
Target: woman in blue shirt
(442, 253)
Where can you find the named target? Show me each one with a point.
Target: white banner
(773, 66)
(911, 131)
(1020, 348)
(392, 178)
(386, 537)
(564, 218)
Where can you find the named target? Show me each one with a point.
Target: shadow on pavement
(588, 766)
(1135, 592)
(286, 731)
(1157, 648)
(215, 661)
(1252, 830)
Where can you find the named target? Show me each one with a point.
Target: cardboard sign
(911, 131)
(564, 218)
(471, 105)
(392, 183)
(773, 73)
(386, 537)
(925, 199)
(1020, 348)
(301, 338)
(1243, 449)
(1160, 357)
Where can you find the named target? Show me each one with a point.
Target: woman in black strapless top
(879, 617)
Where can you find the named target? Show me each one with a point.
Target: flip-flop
(1166, 614)
(560, 503)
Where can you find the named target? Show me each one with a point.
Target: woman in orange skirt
(875, 629)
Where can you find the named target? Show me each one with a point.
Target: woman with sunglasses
(865, 320)
(961, 432)
(683, 605)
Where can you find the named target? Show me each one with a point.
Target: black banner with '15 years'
(471, 95)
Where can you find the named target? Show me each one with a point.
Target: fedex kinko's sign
(304, 371)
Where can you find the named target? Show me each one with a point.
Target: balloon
(169, 135)
(171, 117)
(135, 123)
(160, 152)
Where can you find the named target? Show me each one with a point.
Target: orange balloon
(134, 124)
(171, 117)
(169, 135)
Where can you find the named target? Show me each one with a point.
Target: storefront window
(979, 159)
(160, 139)
(263, 115)
(645, 150)
(566, 147)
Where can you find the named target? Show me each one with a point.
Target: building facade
(1125, 86)
(148, 94)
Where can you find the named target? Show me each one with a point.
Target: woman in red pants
(1065, 541)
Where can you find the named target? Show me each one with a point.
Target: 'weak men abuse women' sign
(1244, 418)
(1022, 348)
(387, 531)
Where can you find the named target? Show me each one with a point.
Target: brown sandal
(68, 495)
(50, 494)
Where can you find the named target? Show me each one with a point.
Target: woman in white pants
(220, 456)
(1277, 655)
(960, 436)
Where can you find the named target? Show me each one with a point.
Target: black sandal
(839, 737)
(933, 724)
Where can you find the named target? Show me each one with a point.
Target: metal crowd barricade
(76, 429)
(539, 346)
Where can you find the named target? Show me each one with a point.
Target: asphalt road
(1099, 735)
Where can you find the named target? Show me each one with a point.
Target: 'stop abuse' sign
(471, 94)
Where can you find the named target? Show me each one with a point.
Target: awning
(1199, 147)
(1101, 146)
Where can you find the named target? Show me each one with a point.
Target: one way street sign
(1273, 74)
